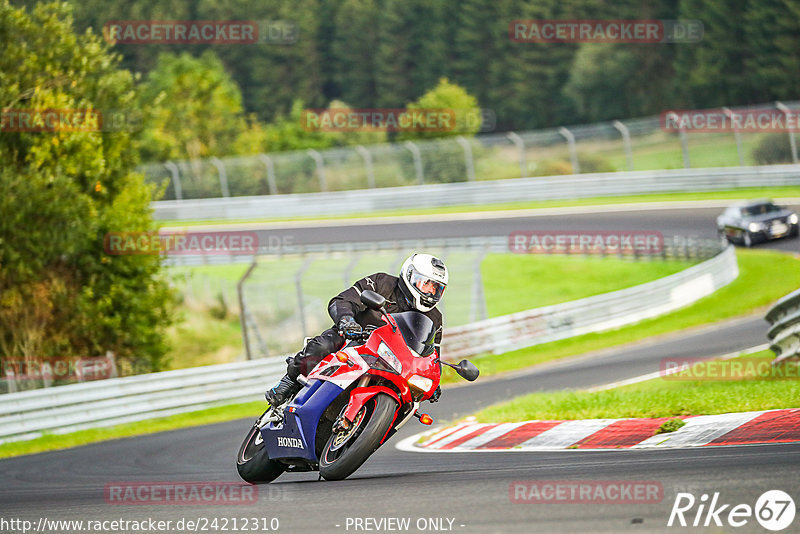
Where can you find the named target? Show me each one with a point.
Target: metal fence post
(348, 270)
(298, 282)
(736, 134)
(626, 142)
(317, 157)
(223, 176)
(478, 310)
(367, 165)
(176, 179)
(270, 165)
(243, 308)
(467, 157)
(684, 139)
(792, 143)
(417, 160)
(520, 144)
(573, 150)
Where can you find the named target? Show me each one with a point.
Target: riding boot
(283, 391)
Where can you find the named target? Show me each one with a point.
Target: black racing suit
(348, 303)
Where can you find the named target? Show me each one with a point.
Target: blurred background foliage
(390, 53)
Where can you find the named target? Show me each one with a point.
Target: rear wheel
(253, 463)
(346, 451)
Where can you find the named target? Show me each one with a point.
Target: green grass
(658, 397)
(232, 272)
(200, 339)
(736, 194)
(514, 283)
(207, 416)
(712, 150)
(764, 277)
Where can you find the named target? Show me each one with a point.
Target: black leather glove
(436, 394)
(349, 328)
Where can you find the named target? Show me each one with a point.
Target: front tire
(252, 461)
(347, 451)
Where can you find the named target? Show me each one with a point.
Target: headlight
(388, 356)
(421, 383)
(755, 227)
(793, 218)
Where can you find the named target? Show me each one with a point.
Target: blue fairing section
(299, 428)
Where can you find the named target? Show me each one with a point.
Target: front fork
(358, 398)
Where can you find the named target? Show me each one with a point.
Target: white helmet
(424, 278)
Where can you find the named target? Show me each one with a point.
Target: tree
(712, 72)
(598, 76)
(353, 50)
(772, 31)
(61, 192)
(194, 109)
(412, 49)
(448, 97)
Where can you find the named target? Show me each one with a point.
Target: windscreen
(418, 331)
(760, 209)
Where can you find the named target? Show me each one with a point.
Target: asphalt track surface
(471, 489)
(700, 222)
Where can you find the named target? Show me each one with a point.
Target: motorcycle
(352, 402)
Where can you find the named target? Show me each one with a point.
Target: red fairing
(360, 396)
(412, 365)
(344, 375)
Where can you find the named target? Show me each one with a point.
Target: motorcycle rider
(419, 287)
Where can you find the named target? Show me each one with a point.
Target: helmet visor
(426, 286)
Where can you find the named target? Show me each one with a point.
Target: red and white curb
(747, 428)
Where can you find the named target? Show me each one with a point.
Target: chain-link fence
(285, 297)
(632, 144)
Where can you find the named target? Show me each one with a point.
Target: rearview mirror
(372, 300)
(467, 370)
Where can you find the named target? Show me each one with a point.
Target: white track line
(657, 374)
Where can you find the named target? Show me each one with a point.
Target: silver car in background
(756, 221)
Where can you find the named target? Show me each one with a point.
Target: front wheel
(346, 451)
(253, 463)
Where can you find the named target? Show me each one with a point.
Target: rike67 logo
(774, 510)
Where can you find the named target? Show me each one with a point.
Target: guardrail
(592, 314)
(29, 414)
(478, 193)
(784, 332)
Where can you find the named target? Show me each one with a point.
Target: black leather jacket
(348, 303)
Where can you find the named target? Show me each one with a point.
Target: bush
(588, 164)
(773, 148)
